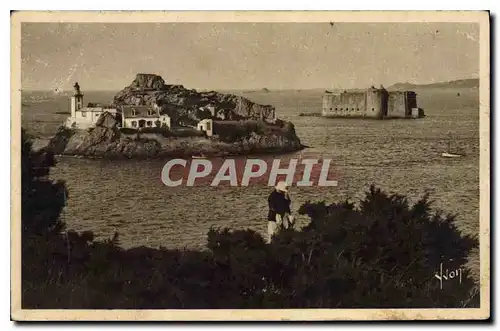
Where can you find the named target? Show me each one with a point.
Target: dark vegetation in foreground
(382, 254)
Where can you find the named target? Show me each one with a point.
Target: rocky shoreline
(111, 143)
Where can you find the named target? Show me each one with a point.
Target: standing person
(279, 209)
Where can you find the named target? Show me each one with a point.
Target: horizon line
(268, 88)
(273, 89)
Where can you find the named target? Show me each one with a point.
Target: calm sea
(401, 156)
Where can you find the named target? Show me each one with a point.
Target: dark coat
(278, 204)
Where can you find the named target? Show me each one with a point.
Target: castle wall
(347, 104)
(396, 105)
(411, 98)
(401, 103)
(374, 103)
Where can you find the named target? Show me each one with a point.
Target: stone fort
(373, 103)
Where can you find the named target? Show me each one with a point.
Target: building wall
(73, 106)
(83, 118)
(416, 112)
(396, 106)
(165, 119)
(78, 102)
(399, 105)
(207, 126)
(87, 117)
(344, 104)
(411, 99)
(128, 122)
(376, 103)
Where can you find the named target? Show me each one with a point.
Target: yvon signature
(447, 275)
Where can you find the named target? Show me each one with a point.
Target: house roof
(140, 112)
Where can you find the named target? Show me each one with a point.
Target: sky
(107, 56)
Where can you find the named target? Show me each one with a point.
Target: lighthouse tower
(76, 100)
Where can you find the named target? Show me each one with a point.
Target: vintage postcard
(250, 166)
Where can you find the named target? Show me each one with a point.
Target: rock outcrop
(107, 120)
(246, 127)
(148, 81)
(106, 140)
(187, 106)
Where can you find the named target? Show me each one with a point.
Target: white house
(85, 117)
(143, 117)
(207, 126)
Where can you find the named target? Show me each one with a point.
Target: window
(149, 123)
(134, 124)
(208, 126)
(341, 108)
(97, 114)
(84, 114)
(373, 109)
(330, 108)
(134, 113)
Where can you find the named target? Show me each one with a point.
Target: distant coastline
(459, 83)
(456, 83)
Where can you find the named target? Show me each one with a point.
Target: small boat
(446, 154)
(449, 153)
(199, 156)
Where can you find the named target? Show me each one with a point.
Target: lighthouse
(76, 100)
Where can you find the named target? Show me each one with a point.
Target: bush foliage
(177, 132)
(233, 131)
(382, 254)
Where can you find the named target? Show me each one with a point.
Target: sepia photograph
(250, 166)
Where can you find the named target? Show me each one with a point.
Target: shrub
(382, 254)
(394, 247)
(165, 132)
(154, 130)
(185, 132)
(232, 131)
(129, 131)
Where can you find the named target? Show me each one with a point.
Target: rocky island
(150, 119)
